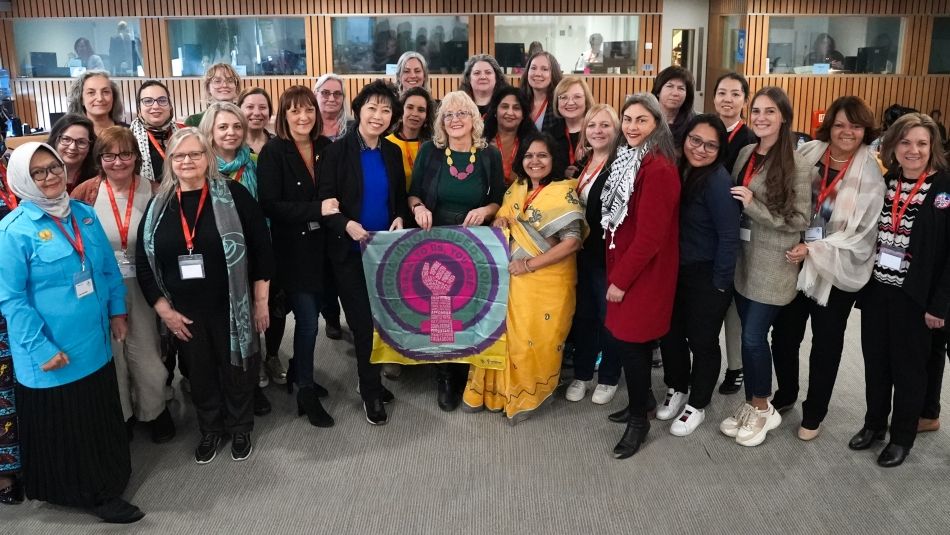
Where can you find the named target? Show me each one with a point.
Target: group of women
(626, 230)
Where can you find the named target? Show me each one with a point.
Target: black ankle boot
(308, 403)
(633, 437)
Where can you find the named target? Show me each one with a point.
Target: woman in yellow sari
(547, 226)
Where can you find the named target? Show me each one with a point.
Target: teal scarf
(248, 176)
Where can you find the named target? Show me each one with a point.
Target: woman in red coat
(641, 220)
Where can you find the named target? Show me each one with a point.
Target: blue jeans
(306, 307)
(757, 318)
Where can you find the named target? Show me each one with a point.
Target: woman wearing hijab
(64, 300)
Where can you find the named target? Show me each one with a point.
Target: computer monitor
(871, 59)
(44, 64)
(620, 54)
(781, 57)
(510, 55)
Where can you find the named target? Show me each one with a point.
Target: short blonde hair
(566, 84)
(209, 75)
(206, 126)
(462, 102)
(169, 180)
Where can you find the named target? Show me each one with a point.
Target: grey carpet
(430, 472)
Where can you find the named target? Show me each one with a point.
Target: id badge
(82, 283)
(891, 257)
(313, 225)
(126, 267)
(814, 234)
(745, 229)
(191, 266)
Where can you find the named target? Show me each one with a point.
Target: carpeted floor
(431, 472)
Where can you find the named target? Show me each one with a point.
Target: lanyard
(308, 163)
(897, 212)
(583, 183)
(527, 202)
(750, 170)
(570, 146)
(507, 164)
(76, 243)
(826, 190)
(239, 174)
(189, 233)
(122, 226)
(410, 159)
(9, 198)
(544, 106)
(735, 131)
(156, 144)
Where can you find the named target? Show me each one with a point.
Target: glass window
(67, 47)
(581, 43)
(940, 44)
(253, 46)
(806, 45)
(730, 37)
(372, 45)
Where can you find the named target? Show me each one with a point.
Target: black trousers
(588, 327)
(351, 287)
(896, 345)
(698, 312)
(223, 393)
(935, 367)
(274, 334)
(331, 299)
(637, 361)
(828, 324)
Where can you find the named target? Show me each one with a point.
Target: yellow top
(410, 149)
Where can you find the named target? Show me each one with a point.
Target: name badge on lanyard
(126, 266)
(82, 281)
(891, 257)
(191, 266)
(814, 234)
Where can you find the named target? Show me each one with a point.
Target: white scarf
(618, 187)
(140, 131)
(23, 186)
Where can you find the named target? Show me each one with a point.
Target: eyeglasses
(216, 81)
(461, 115)
(570, 98)
(42, 174)
(327, 94)
(162, 102)
(81, 144)
(111, 156)
(193, 156)
(696, 142)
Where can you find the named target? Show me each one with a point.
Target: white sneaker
(730, 426)
(688, 420)
(262, 379)
(576, 391)
(756, 425)
(603, 394)
(671, 406)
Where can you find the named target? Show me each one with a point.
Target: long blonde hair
(460, 100)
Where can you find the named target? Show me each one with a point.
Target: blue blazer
(38, 297)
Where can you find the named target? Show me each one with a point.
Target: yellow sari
(540, 306)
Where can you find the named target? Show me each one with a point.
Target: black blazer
(928, 277)
(288, 197)
(341, 173)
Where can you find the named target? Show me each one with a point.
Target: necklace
(846, 160)
(461, 175)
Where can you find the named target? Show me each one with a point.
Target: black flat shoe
(893, 455)
(865, 438)
(12, 495)
(333, 330)
(781, 404)
(732, 383)
(633, 437)
(449, 399)
(163, 428)
(308, 403)
(621, 417)
(117, 511)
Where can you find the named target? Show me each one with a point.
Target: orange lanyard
(527, 202)
(897, 212)
(190, 233)
(9, 198)
(735, 131)
(570, 146)
(76, 243)
(410, 159)
(506, 163)
(590, 178)
(749, 171)
(122, 226)
(544, 106)
(826, 190)
(239, 174)
(156, 144)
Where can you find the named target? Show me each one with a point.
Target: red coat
(645, 260)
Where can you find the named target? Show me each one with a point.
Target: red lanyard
(750, 170)
(897, 213)
(735, 131)
(544, 107)
(308, 163)
(239, 174)
(156, 144)
(9, 198)
(122, 226)
(189, 233)
(570, 146)
(527, 202)
(826, 190)
(76, 243)
(410, 159)
(583, 184)
(507, 164)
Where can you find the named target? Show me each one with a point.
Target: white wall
(685, 14)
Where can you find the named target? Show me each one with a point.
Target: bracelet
(526, 267)
(417, 205)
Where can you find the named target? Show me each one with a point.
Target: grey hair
(75, 96)
(661, 137)
(403, 59)
(169, 180)
(344, 117)
(206, 126)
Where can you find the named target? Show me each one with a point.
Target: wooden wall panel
(8, 48)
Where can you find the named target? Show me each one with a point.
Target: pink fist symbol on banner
(438, 279)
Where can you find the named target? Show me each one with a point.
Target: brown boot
(925, 425)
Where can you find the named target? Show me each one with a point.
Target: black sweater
(709, 227)
(212, 292)
(928, 277)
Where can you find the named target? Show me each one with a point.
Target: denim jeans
(590, 335)
(306, 306)
(757, 318)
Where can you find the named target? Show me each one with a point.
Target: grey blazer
(762, 272)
